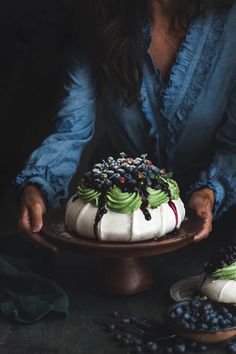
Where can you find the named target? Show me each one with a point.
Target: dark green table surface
(78, 334)
(77, 275)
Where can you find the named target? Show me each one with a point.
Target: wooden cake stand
(123, 269)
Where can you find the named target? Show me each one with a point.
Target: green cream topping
(158, 197)
(125, 202)
(122, 202)
(174, 188)
(228, 272)
(88, 195)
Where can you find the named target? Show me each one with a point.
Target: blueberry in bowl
(202, 321)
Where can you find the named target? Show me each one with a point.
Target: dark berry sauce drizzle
(144, 197)
(173, 207)
(166, 189)
(100, 212)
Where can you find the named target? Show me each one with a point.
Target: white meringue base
(218, 289)
(119, 227)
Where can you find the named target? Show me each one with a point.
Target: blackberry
(221, 258)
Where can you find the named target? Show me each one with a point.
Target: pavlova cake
(125, 200)
(218, 283)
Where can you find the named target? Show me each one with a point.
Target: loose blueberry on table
(141, 335)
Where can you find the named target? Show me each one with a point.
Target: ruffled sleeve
(221, 175)
(53, 163)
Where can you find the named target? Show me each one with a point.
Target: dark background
(34, 38)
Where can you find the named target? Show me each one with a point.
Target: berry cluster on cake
(125, 200)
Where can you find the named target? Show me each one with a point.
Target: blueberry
(215, 328)
(96, 171)
(107, 183)
(128, 176)
(110, 173)
(136, 341)
(111, 327)
(227, 322)
(224, 310)
(121, 171)
(126, 320)
(208, 318)
(152, 347)
(148, 182)
(115, 314)
(193, 319)
(203, 327)
(192, 326)
(116, 176)
(184, 324)
(155, 169)
(124, 165)
(180, 348)
(208, 306)
(144, 324)
(221, 322)
(128, 335)
(125, 342)
(113, 166)
(117, 337)
(133, 319)
(97, 181)
(201, 347)
(186, 316)
(195, 304)
(132, 182)
(179, 311)
(173, 315)
(192, 345)
(98, 166)
(214, 321)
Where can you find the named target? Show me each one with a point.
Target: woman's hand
(202, 203)
(33, 207)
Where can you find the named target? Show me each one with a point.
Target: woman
(162, 73)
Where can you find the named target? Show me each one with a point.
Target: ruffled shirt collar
(193, 63)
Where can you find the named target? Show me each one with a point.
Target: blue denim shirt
(188, 125)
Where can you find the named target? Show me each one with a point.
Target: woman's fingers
(202, 203)
(27, 227)
(31, 217)
(205, 231)
(36, 217)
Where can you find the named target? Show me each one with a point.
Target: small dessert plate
(210, 336)
(185, 289)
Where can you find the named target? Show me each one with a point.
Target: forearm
(53, 164)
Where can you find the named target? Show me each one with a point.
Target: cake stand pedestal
(124, 271)
(126, 276)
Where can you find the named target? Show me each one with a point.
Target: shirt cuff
(219, 190)
(40, 176)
